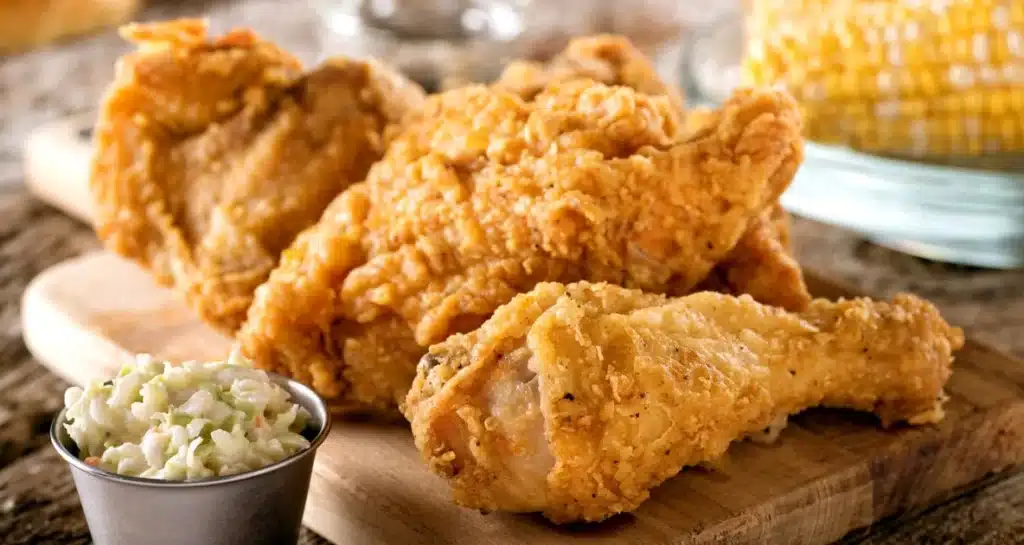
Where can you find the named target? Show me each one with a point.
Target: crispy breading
(577, 400)
(212, 154)
(762, 263)
(485, 194)
(604, 58)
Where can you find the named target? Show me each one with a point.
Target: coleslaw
(182, 422)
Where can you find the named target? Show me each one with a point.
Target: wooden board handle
(57, 157)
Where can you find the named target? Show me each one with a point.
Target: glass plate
(957, 215)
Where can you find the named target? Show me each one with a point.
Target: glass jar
(442, 41)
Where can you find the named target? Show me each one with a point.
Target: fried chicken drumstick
(212, 154)
(577, 400)
(483, 196)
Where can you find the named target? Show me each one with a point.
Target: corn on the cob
(917, 78)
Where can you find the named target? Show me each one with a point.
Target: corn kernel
(898, 77)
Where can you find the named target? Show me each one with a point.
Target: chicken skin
(576, 400)
(212, 154)
(484, 195)
(762, 264)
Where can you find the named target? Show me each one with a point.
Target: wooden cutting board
(830, 472)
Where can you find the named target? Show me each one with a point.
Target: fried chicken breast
(577, 400)
(484, 195)
(212, 154)
(762, 264)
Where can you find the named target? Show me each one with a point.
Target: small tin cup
(258, 507)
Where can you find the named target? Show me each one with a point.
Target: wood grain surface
(831, 471)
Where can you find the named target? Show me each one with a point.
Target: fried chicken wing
(483, 196)
(762, 263)
(212, 154)
(577, 400)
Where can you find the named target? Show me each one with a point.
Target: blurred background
(914, 108)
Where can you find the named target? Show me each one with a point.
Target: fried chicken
(607, 59)
(762, 263)
(212, 154)
(484, 195)
(576, 400)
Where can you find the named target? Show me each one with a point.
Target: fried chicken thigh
(762, 264)
(484, 195)
(577, 400)
(212, 154)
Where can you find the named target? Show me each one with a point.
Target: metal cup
(263, 506)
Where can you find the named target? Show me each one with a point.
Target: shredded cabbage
(180, 422)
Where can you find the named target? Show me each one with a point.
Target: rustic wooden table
(38, 503)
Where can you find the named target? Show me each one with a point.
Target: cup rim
(309, 397)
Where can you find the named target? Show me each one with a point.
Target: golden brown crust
(632, 387)
(781, 226)
(212, 154)
(484, 194)
(762, 265)
(29, 23)
(605, 58)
